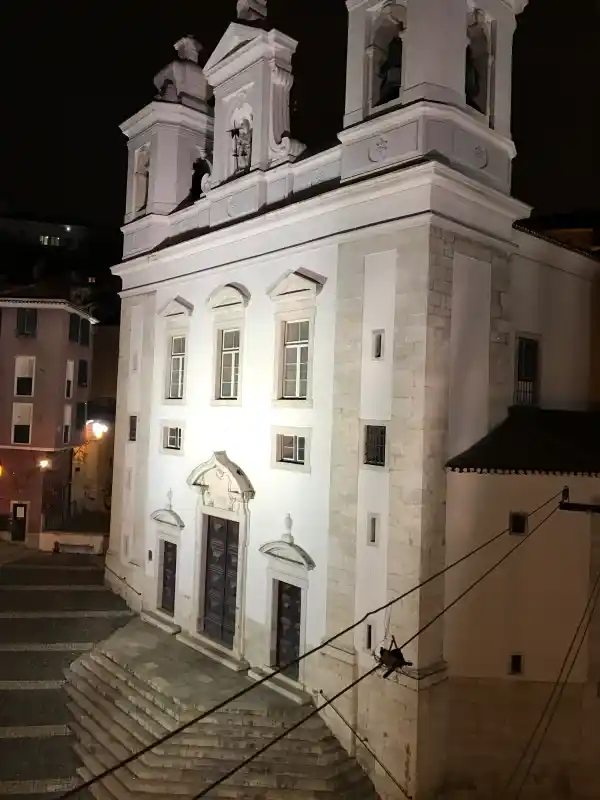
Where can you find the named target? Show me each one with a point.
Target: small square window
(516, 664)
(292, 449)
(22, 434)
(172, 438)
(375, 445)
(517, 523)
(24, 387)
(27, 321)
(133, 428)
(377, 345)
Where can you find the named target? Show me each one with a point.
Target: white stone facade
(393, 261)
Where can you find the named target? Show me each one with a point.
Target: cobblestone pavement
(52, 608)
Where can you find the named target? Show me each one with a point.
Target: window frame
(17, 377)
(81, 385)
(222, 329)
(304, 312)
(277, 434)
(172, 335)
(365, 424)
(537, 387)
(25, 333)
(172, 424)
(13, 425)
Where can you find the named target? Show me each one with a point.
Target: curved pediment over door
(222, 483)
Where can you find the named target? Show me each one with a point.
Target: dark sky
(74, 70)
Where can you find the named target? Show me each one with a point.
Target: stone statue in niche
(142, 180)
(241, 136)
(200, 173)
(477, 62)
(252, 10)
(391, 69)
(188, 49)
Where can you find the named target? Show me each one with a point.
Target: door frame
(296, 576)
(26, 503)
(241, 518)
(162, 537)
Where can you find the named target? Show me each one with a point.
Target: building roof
(578, 232)
(35, 302)
(535, 440)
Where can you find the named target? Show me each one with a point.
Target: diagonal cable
(230, 773)
(589, 611)
(251, 686)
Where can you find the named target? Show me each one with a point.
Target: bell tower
(431, 78)
(169, 137)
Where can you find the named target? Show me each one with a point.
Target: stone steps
(116, 713)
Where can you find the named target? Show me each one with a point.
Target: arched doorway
(224, 492)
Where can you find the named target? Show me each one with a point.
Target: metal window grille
(375, 436)
(295, 360)
(527, 373)
(292, 449)
(177, 368)
(230, 365)
(172, 438)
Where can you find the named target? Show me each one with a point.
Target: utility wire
(183, 727)
(230, 773)
(594, 601)
(555, 688)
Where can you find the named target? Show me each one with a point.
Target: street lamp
(44, 463)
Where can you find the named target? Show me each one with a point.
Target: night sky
(74, 71)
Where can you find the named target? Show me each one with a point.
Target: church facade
(315, 351)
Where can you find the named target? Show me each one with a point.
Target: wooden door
(19, 522)
(289, 613)
(220, 592)
(169, 578)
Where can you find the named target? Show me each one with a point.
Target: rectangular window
(69, 379)
(229, 366)
(517, 523)
(82, 373)
(375, 440)
(67, 424)
(176, 368)
(24, 376)
(84, 332)
(295, 360)
(527, 372)
(74, 323)
(80, 416)
(172, 438)
(369, 637)
(372, 528)
(377, 345)
(516, 664)
(27, 319)
(291, 449)
(45, 240)
(22, 416)
(132, 428)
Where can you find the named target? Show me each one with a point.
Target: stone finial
(188, 49)
(252, 10)
(287, 536)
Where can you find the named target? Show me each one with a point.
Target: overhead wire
(255, 684)
(559, 688)
(231, 772)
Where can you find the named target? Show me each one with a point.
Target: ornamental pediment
(177, 307)
(288, 552)
(222, 483)
(234, 38)
(166, 516)
(231, 295)
(297, 283)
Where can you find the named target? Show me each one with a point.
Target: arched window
(478, 62)
(385, 55)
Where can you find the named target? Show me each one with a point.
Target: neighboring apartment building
(313, 349)
(45, 374)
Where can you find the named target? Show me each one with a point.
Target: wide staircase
(141, 683)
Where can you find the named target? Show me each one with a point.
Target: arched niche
(228, 297)
(222, 484)
(385, 53)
